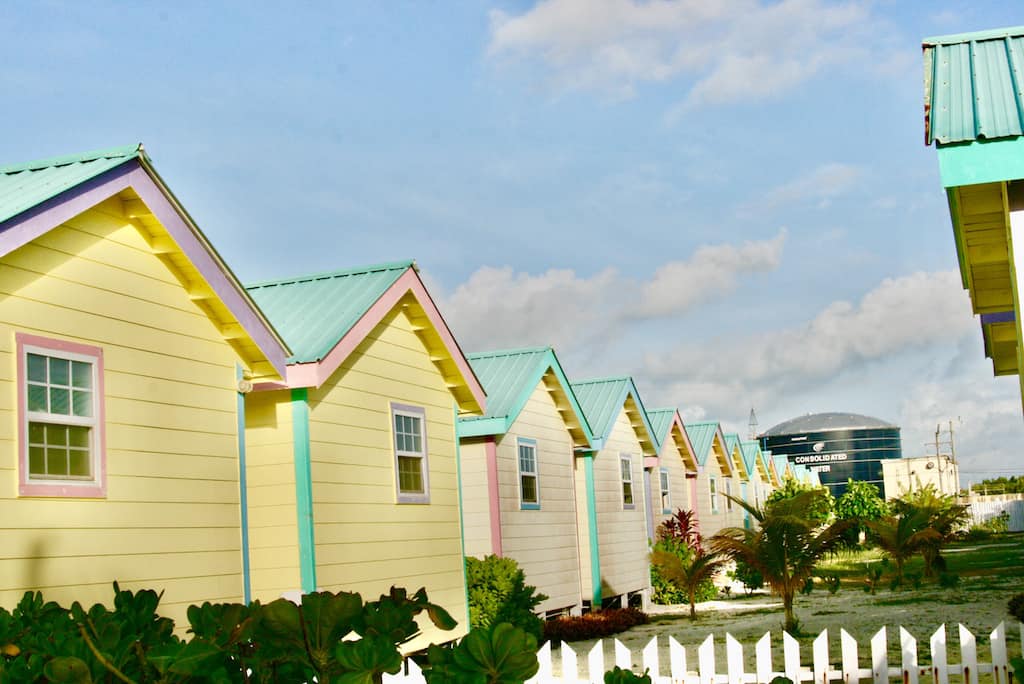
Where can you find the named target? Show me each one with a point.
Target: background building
(838, 446)
(910, 474)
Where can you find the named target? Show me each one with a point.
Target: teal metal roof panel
(751, 451)
(506, 375)
(661, 421)
(732, 440)
(702, 436)
(312, 313)
(23, 186)
(601, 401)
(780, 464)
(974, 86)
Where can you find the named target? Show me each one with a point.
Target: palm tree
(688, 575)
(903, 536)
(784, 546)
(941, 513)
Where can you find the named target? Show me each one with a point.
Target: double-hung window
(410, 434)
(60, 406)
(626, 468)
(529, 481)
(728, 493)
(666, 494)
(713, 490)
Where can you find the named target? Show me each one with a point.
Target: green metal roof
(751, 451)
(23, 186)
(312, 313)
(732, 440)
(974, 86)
(702, 436)
(780, 464)
(603, 398)
(509, 378)
(661, 421)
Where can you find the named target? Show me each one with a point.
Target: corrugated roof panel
(601, 401)
(505, 375)
(23, 186)
(312, 313)
(702, 436)
(661, 421)
(974, 86)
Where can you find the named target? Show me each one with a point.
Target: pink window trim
(96, 489)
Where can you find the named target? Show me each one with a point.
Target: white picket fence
(820, 670)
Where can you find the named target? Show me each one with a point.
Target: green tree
(902, 536)
(942, 514)
(786, 544)
(690, 575)
(860, 503)
(822, 506)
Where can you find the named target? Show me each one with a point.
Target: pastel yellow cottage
(714, 469)
(675, 487)
(737, 485)
(122, 339)
(614, 519)
(353, 459)
(760, 482)
(518, 471)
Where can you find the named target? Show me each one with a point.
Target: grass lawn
(990, 573)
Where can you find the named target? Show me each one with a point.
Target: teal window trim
(303, 488)
(535, 473)
(595, 553)
(243, 494)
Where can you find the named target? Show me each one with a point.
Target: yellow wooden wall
(679, 488)
(711, 520)
(170, 520)
(476, 502)
(366, 542)
(622, 534)
(270, 481)
(543, 541)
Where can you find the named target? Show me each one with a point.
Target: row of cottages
(169, 428)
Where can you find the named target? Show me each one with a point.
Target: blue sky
(731, 201)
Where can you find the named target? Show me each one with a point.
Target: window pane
(81, 374)
(417, 443)
(529, 484)
(78, 437)
(36, 461)
(627, 493)
(36, 368)
(60, 401)
(79, 463)
(410, 475)
(36, 433)
(56, 435)
(60, 372)
(56, 461)
(37, 398)
(81, 403)
(527, 459)
(626, 475)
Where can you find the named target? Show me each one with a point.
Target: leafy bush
(949, 580)
(678, 546)
(1016, 607)
(620, 676)
(498, 592)
(860, 503)
(593, 625)
(750, 577)
(276, 642)
(821, 508)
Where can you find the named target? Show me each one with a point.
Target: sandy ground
(979, 603)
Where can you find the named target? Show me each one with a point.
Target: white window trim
(420, 413)
(95, 486)
(627, 458)
(665, 485)
(713, 491)
(728, 493)
(532, 444)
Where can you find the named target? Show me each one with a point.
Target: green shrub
(749, 577)
(620, 676)
(949, 580)
(1016, 607)
(498, 592)
(593, 625)
(666, 592)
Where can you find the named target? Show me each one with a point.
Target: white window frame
(665, 484)
(94, 486)
(523, 442)
(713, 491)
(628, 460)
(419, 413)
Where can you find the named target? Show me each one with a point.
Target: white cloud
(821, 184)
(730, 50)
(500, 307)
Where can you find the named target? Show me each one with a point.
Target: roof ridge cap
(372, 268)
(125, 151)
(507, 352)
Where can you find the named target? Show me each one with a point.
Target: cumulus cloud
(731, 50)
(500, 307)
(822, 185)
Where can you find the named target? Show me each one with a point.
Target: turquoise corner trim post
(303, 488)
(243, 495)
(595, 555)
(462, 519)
